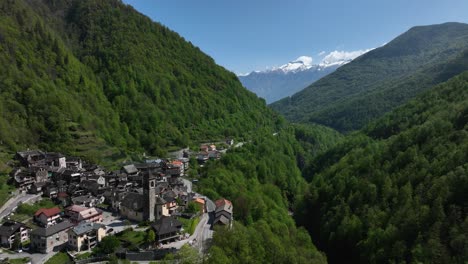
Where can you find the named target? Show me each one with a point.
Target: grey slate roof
(9, 228)
(166, 225)
(133, 201)
(46, 232)
(222, 219)
(85, 227)
(160, 200)
(130, 169)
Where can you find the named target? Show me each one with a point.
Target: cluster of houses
(209, 152)
(78, 227)
(151, 191)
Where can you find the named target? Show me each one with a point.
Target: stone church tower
(149, 194)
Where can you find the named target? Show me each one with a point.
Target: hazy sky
(246, 35)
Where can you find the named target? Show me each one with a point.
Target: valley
(107, 112)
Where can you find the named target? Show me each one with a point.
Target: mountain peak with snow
(279, 82)
(303, 63)
(299, 64)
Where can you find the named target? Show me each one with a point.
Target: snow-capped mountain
(279, 82)
(300, 64)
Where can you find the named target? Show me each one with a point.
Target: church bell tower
(149, 193)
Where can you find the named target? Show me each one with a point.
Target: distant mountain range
(381, 79)
(279, 82)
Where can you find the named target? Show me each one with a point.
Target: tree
(150, 237)
(109, 244)
(187, 255)
(193, 208)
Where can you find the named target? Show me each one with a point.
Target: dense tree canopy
(97, 78)
(396, 192)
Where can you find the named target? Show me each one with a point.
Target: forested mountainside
(381, 79)
(97, 78)
(396, 191)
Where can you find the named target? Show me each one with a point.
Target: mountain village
(90, 203)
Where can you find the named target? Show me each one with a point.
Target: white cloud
(341, 56)
(304, 59)
(321, 53)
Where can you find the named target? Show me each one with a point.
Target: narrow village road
(36, 258)
(204, 234)
(11, 204)
(178, 154)
(200, 237)
(238, 145)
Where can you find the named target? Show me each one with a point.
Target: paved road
(200, 238)
(238, 145)
(187, 183)
(36, 258)
(11, 204)
(204, 234)
(178, 154)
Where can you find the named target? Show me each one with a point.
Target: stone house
(132, 206)
(167, 229)
(46, 239)
(223, 212)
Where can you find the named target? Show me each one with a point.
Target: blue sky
(246, 35)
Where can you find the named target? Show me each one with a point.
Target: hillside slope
(97, 79)
(396, 192)
(381, 79)
(101, 73)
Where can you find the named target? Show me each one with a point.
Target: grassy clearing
(19, 260)
(83, 256)
(59, 258)
(132, 237)
(5, 189)
(189, 225)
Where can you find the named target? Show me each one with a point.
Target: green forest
(98, 79)
(382, 79)
(396, 191)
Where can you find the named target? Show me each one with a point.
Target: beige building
(85, 236)
(80, 214)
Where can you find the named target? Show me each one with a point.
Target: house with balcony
(85, 236)
(48, 216)
(10, 231)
